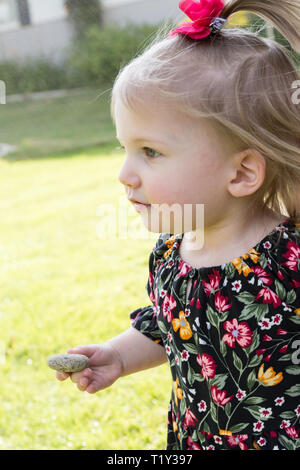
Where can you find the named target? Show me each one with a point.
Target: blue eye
(147, 149)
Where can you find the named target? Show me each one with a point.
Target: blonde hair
(242, 83)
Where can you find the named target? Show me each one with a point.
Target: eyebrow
(145, 139)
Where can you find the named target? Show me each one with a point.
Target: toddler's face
(169, 160)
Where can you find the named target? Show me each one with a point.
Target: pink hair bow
(204, 15)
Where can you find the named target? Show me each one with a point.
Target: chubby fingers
(82, 378)
(62, 375)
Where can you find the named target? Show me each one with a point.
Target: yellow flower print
(178, 393)
(241, 266)
(253, 254)
(169, 244)
(181, 322)
(297, 311)
(225, 432)
(269, 377)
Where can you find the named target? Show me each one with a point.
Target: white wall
(115, 3)
(46, 10)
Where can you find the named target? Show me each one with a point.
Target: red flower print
(267, 338)
(291, 431)
(263, 275)
(292, 255)
(283, 349)
(265, 324)
(280, 275)
(260, 351)
(214, 281)
(189, 419)
(191, 445)
(184, 355)
(269, 297)
(295, 284)
(279, 401)
(285, 424)
(280, 331)
(208, 365)
(238, 440)
(267, 358)
(258, 426)
(184, 268)
(150, 283)
(277, 319)
(219, 396)
(261, 441)
(198, 304)
(239, 333)
(220, 302)
(202, 406)
(168, 305)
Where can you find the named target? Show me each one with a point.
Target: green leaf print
(212, 316)
(223, 348)
(219, 380)
(162, 327)
(191, 348)
(254, 310)
(280, 290)
(294, 391)
(251, 379)
(237, 362)
(287, 415)
(255, 360)
(255, 411)
(263, 260)
(254, 400)
(228, 409)
(291, 297)
(254, 344)
(287, 443)
(296, 320)
(246, 297)
(237, 428)
(293, 370)
(213, 412)
(229, 271)
(285, 357)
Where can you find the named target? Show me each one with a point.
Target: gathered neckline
(282, 227)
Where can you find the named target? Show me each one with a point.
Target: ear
(248, 173)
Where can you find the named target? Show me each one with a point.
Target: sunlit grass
(62, 286)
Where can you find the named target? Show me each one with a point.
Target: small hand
(105, 368)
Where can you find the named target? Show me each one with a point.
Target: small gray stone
(68, 362)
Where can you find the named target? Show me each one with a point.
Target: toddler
(210, 116)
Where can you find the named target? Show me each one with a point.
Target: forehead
(152, 118)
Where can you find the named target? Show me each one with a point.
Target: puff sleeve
(144, 319)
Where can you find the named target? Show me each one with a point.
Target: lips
(134, 201)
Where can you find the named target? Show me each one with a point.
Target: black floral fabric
(233, 344)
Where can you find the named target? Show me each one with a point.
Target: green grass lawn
(62, 286)
(49, 126)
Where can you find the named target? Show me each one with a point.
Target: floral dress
(232, 338)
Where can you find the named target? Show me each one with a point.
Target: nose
(128, 175)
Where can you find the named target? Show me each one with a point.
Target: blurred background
(61, 285)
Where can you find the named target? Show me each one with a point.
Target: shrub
(32, 75)
(96, 60)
